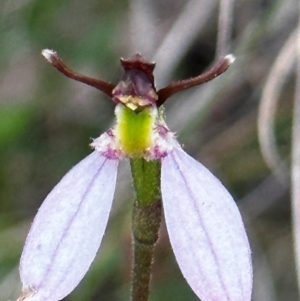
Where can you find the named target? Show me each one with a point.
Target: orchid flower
(204, 225)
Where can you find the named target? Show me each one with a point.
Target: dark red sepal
(138, 63)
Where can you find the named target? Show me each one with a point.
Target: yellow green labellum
(134, 130)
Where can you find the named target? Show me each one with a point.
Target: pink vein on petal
(206, 231)
(68, 229)
(193, 198)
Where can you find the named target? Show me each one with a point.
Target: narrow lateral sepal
(67, 230)
(205, 229)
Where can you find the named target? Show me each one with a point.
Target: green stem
(145, 223)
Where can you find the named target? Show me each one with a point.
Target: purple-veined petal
(206, 231)
(68, 229)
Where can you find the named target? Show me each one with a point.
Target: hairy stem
(145, 223)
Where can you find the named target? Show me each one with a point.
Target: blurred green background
(47, 122)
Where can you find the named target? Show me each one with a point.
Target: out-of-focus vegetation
(47, 120)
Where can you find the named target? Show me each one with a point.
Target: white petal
(68, 229)
(205, 230)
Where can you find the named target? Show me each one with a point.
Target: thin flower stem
(224, 27)
(269, 103)
(146, 220)
(295, 164)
